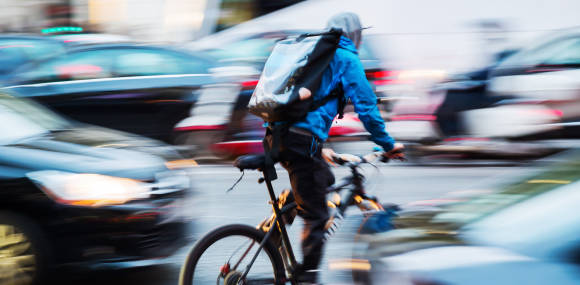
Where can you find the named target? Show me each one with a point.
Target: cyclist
(301, 145)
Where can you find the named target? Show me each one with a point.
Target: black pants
(309, 176)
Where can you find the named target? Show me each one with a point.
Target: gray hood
(350, 25)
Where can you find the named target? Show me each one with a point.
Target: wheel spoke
(233, 243)
(238, 250)
(244, 255)
(212, 262)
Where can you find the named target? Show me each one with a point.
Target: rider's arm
(358, 90)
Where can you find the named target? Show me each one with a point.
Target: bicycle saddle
(250, 161)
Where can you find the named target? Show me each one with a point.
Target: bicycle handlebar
(355, 160)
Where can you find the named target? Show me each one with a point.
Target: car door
(158, 89)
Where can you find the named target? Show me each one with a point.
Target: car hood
(100, 137)
(476, 265)
(86, 150)
(451, 257)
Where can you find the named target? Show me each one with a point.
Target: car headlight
(92, 190)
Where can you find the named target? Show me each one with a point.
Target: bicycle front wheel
(223, 255)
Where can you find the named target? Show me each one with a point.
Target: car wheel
(23, 251)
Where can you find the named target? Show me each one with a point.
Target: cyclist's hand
(396, 153)
(328, 154)
(340, 158)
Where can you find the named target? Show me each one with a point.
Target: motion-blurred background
(112, 112)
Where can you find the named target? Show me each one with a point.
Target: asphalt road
(211, 206)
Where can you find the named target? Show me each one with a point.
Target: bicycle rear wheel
(222, 256)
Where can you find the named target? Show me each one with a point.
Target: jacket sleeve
(358, 90)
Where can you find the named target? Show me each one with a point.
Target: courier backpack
(286, 90)
(291, 76)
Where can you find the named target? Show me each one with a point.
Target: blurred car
(79, 195)
(465, 92)
(438, 115)
(233, 132)
(139, 89)
(16, 50)
(525, 233)
(546, 72)
(461, 116)
(530, 94)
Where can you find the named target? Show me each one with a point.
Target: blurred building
(25, 15)
(233, 12)
(445, 35)
(147, 20)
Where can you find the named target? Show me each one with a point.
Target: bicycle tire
(188, 269)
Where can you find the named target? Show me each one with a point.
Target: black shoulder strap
(332, 31)
(272, 149)
(337, 92)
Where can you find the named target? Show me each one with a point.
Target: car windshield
(22, 119)
(14, 52)
(99, 63)
(560, 48)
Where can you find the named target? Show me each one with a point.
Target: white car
(527, 233)
(546, 73)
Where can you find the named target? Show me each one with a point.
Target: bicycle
(278, 251)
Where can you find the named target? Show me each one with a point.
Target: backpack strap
(276, 129)
(337, 92)
(271, 153)
(332, 31)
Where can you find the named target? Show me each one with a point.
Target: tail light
(249, 85)
(548, 112)
(384, 77)
(414, 118)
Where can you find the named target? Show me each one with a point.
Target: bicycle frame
(354, 196)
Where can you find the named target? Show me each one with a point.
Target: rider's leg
(309, 178)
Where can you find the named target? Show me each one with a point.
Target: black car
(139, 89)
(16, 50)
(78, 195)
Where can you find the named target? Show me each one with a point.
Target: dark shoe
(306, 277)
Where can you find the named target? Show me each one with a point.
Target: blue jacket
(347, 69)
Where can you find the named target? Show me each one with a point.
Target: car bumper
(148, 230)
